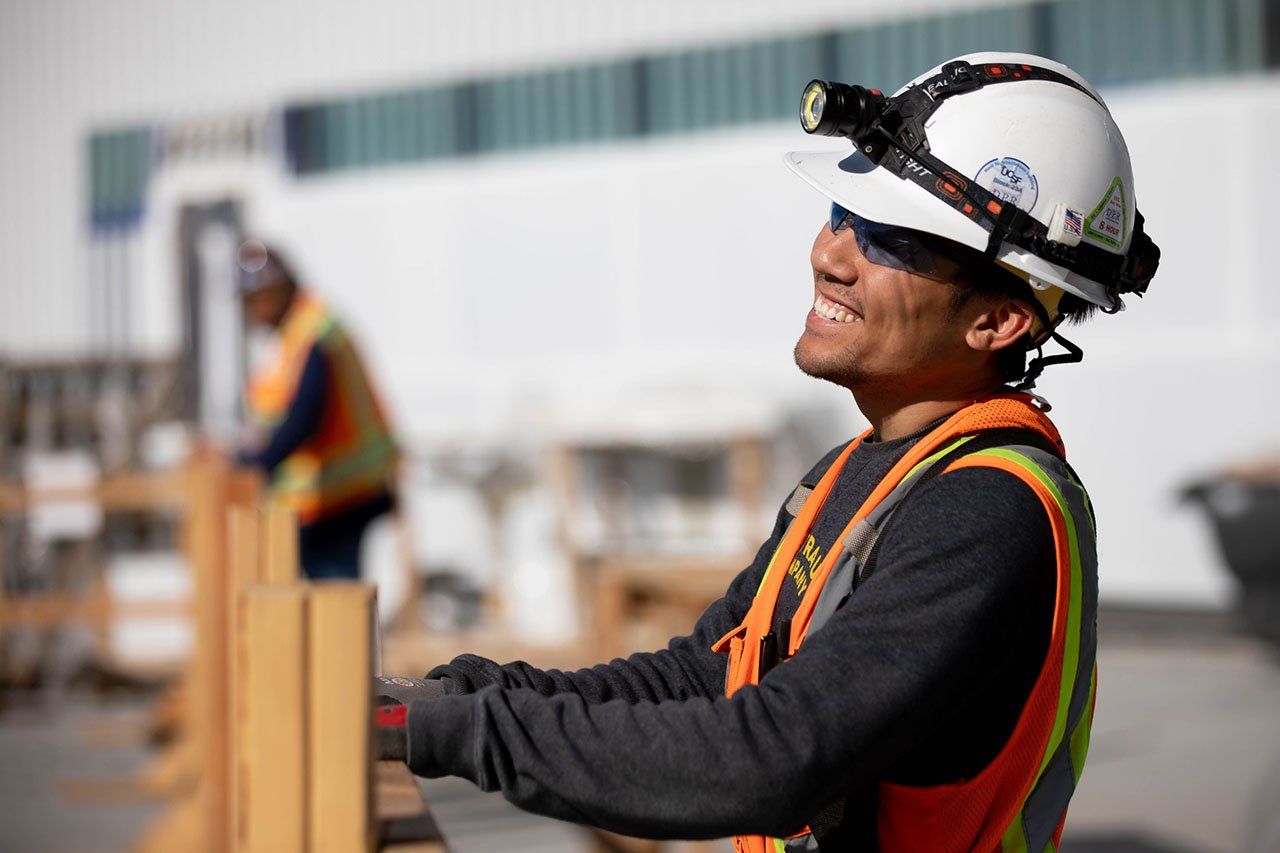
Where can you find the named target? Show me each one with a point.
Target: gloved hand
(391, 697)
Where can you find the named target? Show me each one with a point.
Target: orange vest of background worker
(324, 439)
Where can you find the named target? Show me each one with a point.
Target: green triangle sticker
(1106, 223)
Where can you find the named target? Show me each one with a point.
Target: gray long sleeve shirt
(918, 679)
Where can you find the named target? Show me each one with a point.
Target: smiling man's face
(872, 324)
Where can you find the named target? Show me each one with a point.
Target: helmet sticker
(1010, 180)
(1106, 223)
(1066, 225)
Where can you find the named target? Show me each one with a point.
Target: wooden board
(244, 569)
(273, 735)
(280, 544)
(405, 825)
(340, 630)
(130, 490)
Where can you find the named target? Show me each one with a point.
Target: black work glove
(391, 697)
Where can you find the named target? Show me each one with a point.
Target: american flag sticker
(1073, 223)
(1066, 225)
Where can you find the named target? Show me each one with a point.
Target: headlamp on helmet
(890, 131)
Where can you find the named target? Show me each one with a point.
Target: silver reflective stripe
(1045, 806)
(856, 548)
(1048, 801)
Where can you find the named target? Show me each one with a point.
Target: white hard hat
(1045, 143)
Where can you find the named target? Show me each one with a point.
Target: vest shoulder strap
(859, 545)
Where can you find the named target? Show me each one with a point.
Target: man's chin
(838, 368)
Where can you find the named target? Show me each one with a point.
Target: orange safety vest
(352, 456)
(1019, 801)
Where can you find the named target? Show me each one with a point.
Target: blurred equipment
(214, 362)
(321, 434)
(657, 522)
(1243, 504)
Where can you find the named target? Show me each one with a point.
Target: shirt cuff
(441, 735)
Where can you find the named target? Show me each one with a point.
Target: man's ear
(1001, 325)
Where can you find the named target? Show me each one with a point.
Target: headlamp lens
(838, 109)
(812, 104)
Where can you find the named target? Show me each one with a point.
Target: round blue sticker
(1010, 180)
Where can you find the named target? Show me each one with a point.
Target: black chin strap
(1073, 355)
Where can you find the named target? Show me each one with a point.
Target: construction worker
(908, 663)
(321, 434)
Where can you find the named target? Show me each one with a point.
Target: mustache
(841, 290)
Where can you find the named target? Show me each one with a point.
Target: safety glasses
(896, 247)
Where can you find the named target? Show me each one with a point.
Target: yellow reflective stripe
(1015, 839)
(1071, 642)
(769, 568)
(373, 459)
(779, 846)
(924, 463)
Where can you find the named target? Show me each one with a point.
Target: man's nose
(836, 256)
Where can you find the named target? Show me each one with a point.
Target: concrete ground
(46, 741)
(1185, 757)
(1185, 752)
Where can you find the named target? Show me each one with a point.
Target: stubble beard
(839, 368)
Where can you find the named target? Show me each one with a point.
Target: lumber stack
(305, 773)
(279, 728)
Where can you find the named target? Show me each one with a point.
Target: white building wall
(489, 289)
(68, 67)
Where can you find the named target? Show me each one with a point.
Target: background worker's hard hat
(259, 267)
(1047, 148)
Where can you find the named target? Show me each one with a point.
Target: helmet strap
(1073, 355)
(897, 141)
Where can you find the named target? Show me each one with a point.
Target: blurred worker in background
(320, 433)
(908, 664)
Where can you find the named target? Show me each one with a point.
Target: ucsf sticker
(1010, 180)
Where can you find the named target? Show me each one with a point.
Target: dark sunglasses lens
(838, 215)
(888, 245)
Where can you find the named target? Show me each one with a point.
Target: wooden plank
(131, 490)
(50, 610)
(205, 543)
(244, 568)
(141, 490)
(405, 824)
(273, 719)
(748, 474)
(340, 631)
(281, 545)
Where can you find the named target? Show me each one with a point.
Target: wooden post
(748, 474)
(280, 544)
(205, 545)
(244, 569)
(273, 720)
(340, 643)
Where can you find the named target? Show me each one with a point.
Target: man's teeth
(832, 311)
